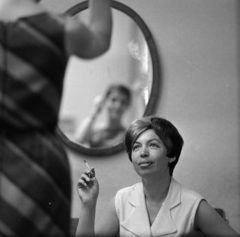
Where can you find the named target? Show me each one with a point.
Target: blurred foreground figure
(35, 45)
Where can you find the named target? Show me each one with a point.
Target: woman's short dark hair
(121, 88)
(164, 129)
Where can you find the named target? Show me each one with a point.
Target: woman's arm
(211, 223)
(88, 190)
(89, 40)
(85, 131)
(108, 224)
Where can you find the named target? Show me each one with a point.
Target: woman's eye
(153, 145)
(135, 147)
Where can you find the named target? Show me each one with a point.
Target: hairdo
(164, 129)
(121, 88)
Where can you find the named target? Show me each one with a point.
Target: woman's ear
(172, 159)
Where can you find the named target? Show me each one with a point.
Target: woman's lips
(145, 164)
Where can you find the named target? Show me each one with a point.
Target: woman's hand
(98, 105)
(88, 187)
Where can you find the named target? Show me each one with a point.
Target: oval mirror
(132, 61)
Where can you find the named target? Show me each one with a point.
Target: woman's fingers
(87, 186)
(92, 172)
(86, 178)
(81, 184)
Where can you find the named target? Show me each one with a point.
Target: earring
(172, 159)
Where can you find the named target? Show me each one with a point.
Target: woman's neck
(156, 190)
(114, 123)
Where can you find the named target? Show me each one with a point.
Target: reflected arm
(84, 133)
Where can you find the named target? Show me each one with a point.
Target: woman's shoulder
(191, 193)
(125, 196)
(188, 193)
(100, 126)
(127, 191)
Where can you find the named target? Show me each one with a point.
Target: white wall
(199, 56)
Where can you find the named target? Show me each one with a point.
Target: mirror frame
(155, 90)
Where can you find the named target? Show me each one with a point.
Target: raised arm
(88, 190)
(86, 129)
(211, 223)
(91, 39)
(108, 224)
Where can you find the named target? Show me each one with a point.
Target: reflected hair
(121, 88)
(164, 129)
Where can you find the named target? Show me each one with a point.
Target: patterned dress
(35, 186)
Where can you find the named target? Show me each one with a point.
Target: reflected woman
(95, 133)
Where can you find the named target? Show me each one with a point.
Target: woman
(157, 206)
(35, 45)
(111, 131)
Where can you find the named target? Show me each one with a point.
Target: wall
(199, 56)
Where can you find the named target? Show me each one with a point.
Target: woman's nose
(117, 104)
(144, 152)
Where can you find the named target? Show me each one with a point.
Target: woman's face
(116, 104)
(149, 155)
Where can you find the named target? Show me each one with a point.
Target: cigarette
(87, 165)
(90, 174)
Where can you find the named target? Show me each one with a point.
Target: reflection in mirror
(129, 63)
(98, 131)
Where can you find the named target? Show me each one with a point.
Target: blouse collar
(138, 222)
